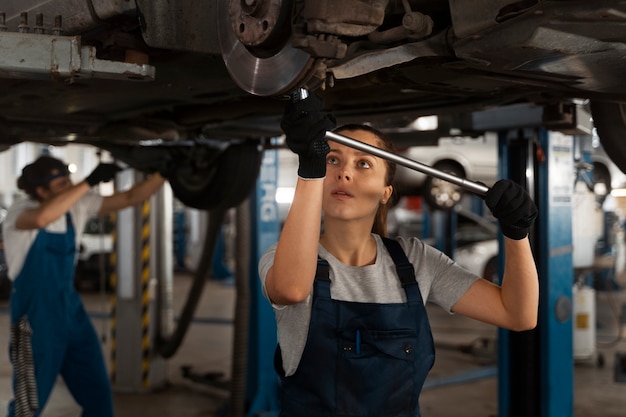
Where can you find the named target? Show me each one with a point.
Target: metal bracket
(40, 56)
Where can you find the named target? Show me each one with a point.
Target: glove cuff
(515, 233)
(312, 167)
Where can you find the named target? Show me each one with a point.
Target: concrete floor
(207, 346)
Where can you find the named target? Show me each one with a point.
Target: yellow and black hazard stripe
(145, 293)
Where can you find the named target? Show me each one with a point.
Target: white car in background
(477, 160)
(476, 237)
(473, 158)
(477, 245)
(480, 256)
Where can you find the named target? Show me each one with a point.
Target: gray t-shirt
(440, 280)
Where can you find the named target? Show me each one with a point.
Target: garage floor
(461, 383)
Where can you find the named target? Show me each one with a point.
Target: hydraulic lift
(142, 253)
(536, 367)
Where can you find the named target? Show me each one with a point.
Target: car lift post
(262, 380)
(143, 236)
(536, 366)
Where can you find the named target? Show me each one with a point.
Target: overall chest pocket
(59, 246)
(375, 372)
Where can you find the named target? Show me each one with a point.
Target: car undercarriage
(190, 79)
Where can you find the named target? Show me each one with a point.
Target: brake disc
(255, 41)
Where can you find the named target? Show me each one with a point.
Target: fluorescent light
(426, 123)
(284, 195)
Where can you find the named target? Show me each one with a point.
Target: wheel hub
(447, 195)
(255, 22)
(255, 41)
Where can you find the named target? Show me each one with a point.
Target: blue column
(536, 367)
(556, 276)
(262, 380)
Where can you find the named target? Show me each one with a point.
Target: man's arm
(135, 195)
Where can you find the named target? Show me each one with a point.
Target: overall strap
(68, 219)
(403, 266)
(321, 284)
(323, 269)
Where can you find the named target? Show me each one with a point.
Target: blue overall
(361, 359)
(63, 339)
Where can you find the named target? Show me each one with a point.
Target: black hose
(168, 347)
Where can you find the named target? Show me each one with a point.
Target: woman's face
(355, 185)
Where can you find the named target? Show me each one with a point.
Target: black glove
(513, 208)
(102, 173)
(305, 126)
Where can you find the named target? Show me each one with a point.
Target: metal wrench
(472, 186)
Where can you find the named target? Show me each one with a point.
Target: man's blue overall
(361, 359)
(63, 339)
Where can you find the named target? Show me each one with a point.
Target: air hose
(26, 402)
(167, 347)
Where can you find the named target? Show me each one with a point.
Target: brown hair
(380, 220)
(40, 173)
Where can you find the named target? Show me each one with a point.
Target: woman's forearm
(291, 277)
(520, 284)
